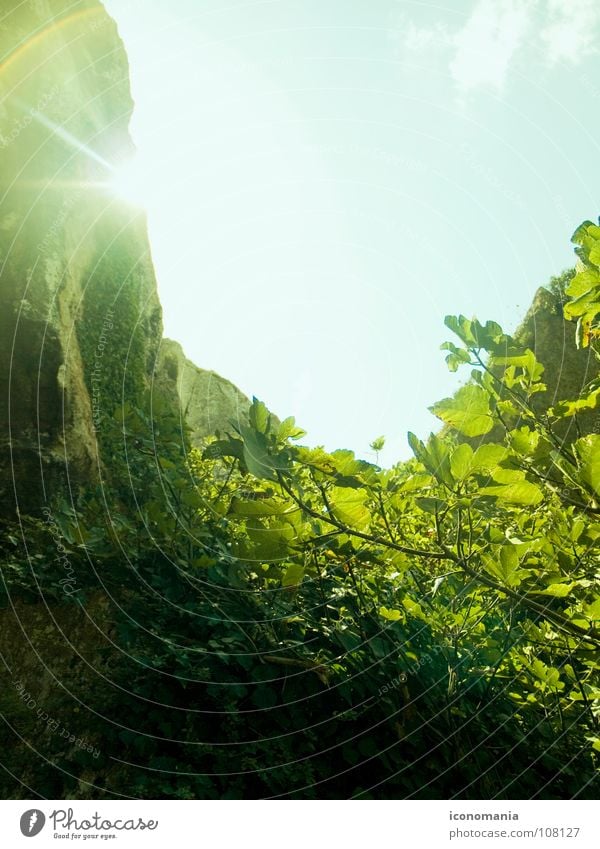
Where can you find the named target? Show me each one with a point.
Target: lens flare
(130, 182)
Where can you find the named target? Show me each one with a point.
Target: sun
(130, 182)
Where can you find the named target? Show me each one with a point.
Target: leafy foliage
(304, 623)
(584, 288)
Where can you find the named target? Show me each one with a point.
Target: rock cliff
(567, 369)
(80, 320)
(80, 334)
(206, 401)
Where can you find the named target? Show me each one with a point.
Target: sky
(325, 180)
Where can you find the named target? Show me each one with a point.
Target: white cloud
(487, 43)
(482, 52)
(416, 38)
(571, 30)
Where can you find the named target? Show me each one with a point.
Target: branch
(331, 520)
(591, 635)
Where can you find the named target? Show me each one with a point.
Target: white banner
(309, 824)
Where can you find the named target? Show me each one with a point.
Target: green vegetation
(293, 622)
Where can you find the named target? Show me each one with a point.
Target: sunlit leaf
(259, 416)
(378, 443)
(523, 493)
(435, 456)
(349, 507)
(588, 454)
(390, 614)
(468, 411)
(289, 430)
(488, 456)
(524, 440)
(557, 590)
(461, 461)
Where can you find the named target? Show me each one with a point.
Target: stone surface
(207, 402)
(69, 252)
(566, 369)
(80, 320)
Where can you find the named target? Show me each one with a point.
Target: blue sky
(326, 179)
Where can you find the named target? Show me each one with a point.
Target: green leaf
(288, 430)
(548, 675)
(461, 461)
(456, 357)
(557, 590)
(507, 476)
(390, 614)
(418, 447)
(260, 507)
(224, 448)
(461, 325)
(524, 440)
(293, 575)
(353, 472)
(585, 305)
(316, 458)
(525, 360)
(435, 457)
(523, 493)
(259, 416)
(509, 558)
(487, 457)
(468, 411)
(592, 611)
(430, 504)
(584, 282)
(416, 482)
(258, 458)
(475, 335)
(413, 608)
(505, 566)
(565, 409)
(267, 540)
(581, 233)
(349, 507)
(581, 333)
(587, 450)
